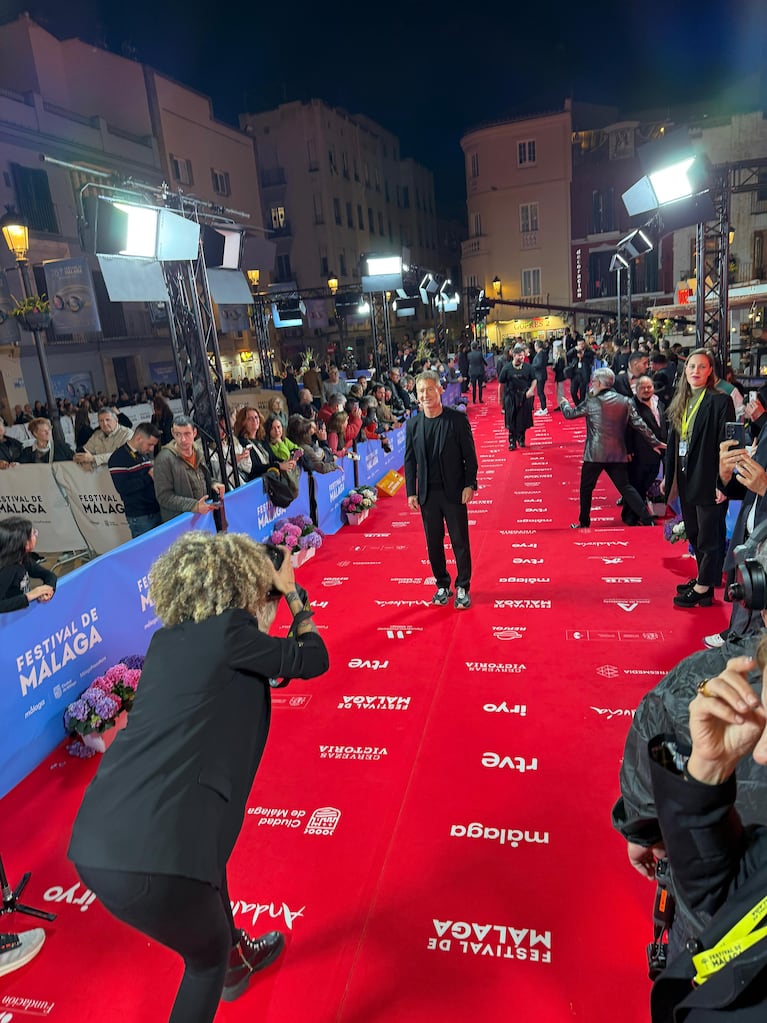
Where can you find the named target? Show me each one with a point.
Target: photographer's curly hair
(204, 574)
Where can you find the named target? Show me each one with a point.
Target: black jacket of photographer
(721, 868)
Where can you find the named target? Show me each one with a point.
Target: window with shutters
(33, 198)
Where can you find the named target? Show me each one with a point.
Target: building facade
(518, 177)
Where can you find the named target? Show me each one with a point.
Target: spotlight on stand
(147, 232)
(677, 183)
(449, 299)
(428, 287)
(381, 273)
(637, 243)
(405, 307)
(222, 246)
(288, 312)
(618, 262)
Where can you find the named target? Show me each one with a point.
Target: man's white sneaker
(715, 641)
(442, 596)
(462, 598)
(16, 950)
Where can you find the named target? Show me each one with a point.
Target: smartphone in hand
(736, 432)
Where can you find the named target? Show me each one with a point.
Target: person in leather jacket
(608, 414)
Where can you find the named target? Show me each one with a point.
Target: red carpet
(431, 822)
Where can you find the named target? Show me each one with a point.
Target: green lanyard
(738, 939)
(687, 420)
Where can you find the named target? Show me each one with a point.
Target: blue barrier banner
(369, 466)
(330, 489)
(451, 394)
(50, 653)
(249, 510)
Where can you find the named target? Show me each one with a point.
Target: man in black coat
(476, 368)
(10, 448)
(440, 480)
(580, 362)
(645, 460)
(626, 382)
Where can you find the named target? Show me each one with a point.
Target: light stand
(11, 902)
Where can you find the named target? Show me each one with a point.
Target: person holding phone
(697, 417)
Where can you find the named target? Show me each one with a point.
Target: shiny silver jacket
(607, 416)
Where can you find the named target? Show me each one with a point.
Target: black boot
(249, 956)
(692, 598)
(521, 440)
(512, 444)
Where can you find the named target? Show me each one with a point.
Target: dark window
(349, 216)
(337, 210)
(371, 221)
(360, 218)
(602, 211)
(342, 264)
(33, 196)
(380, 224)
(283, 268)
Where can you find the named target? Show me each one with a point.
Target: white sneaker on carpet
(462, 598)
(24, 946)
(715, 641)
(541, 412)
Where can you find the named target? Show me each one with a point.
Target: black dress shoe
(512, 445)
(521, 442)
(691, 598)
(577, 525)
(247, 957)
(684, 587)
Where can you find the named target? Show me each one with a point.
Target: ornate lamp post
(16, 234)
(498, 291)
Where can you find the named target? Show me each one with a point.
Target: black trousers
(540, 383)
(641, 476)
(705, 527)
(476, 382)
(579, 388)
(436, 512)
(191, 917)
(618, 473)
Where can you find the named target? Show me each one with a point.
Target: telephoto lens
(277, 556)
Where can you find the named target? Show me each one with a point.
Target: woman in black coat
(18, 563)
(697, 417)
(156, 853)
(45, 450)
(518, 384)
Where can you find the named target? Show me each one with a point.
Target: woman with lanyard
(697, 417)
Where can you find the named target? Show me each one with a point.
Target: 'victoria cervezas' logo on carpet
(507, 633)
(608, 671)
(495, 666)
(353, 752)
(322, 821)
(498, 941)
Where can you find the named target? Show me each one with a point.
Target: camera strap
(738, 939)
(663, 917)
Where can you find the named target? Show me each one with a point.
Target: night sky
(427, 71)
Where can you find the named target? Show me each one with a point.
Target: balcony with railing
(273, 177)
(529, 240)
(476, 246)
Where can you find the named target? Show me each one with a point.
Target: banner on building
(233, 319)
(72, 296)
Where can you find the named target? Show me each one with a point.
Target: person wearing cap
(518, 383)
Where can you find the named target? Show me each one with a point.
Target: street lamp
(498, 291)
(333, 284)
(497, 286)
(16, 234)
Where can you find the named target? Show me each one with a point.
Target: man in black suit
(645, 460)
(441, 479)
(626, 382)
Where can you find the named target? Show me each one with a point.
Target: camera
(750, 580)
(276, 555)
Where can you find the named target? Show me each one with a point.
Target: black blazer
(170, 794)
(636, 444)
(738, 492)
(457, 456)
(706, 435)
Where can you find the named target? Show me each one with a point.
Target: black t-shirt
(432, 433)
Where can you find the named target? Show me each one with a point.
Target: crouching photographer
(156, 857)
(719, 866)
(639, 814)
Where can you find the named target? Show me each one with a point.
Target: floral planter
(354, 518)
(101, 741)
(300, 557)
(36, 321)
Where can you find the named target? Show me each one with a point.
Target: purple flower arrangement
(97, 707)
(674, 530)
(359, 500)
(297, 533)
